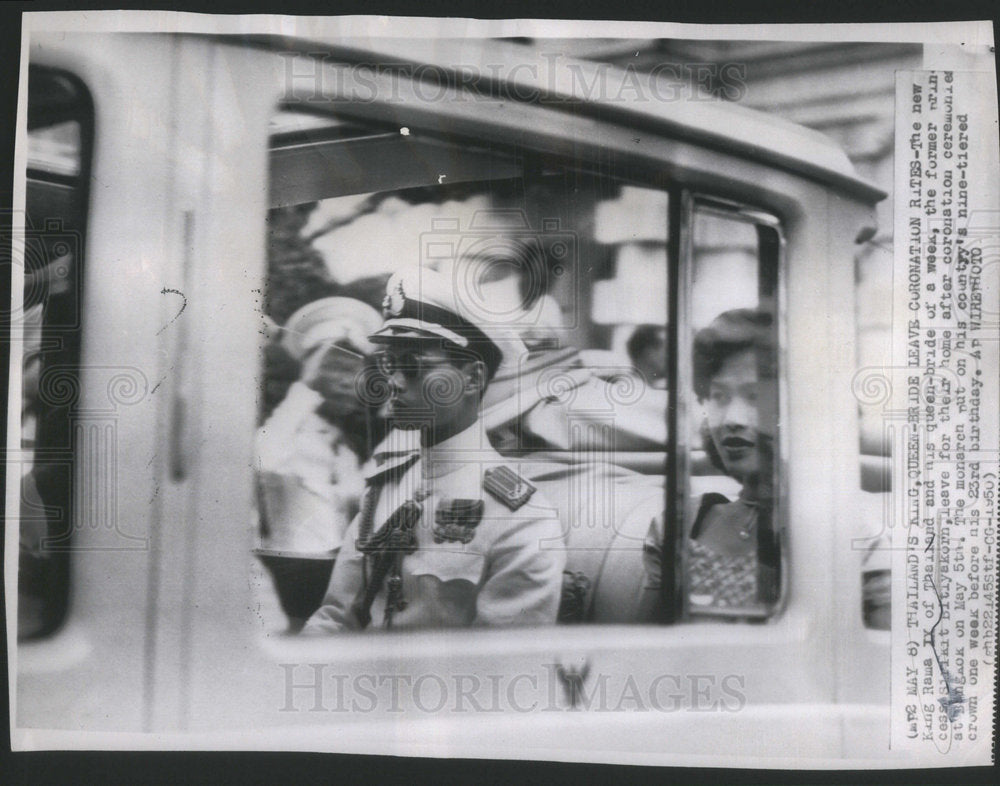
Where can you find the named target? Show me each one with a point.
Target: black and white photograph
(604, 392)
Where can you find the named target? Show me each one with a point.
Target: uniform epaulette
(507, 486)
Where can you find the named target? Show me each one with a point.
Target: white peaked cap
(330, 319)
(424, 303)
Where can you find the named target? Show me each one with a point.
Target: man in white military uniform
(449, 534)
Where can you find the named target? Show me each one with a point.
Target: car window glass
(731, 535)
(573, 263)
(47, 325)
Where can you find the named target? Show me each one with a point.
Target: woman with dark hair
(732, 554)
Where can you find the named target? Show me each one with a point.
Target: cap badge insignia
(455, 520)
(393, 302)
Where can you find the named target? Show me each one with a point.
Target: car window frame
(55, 445)
(682, 203)
(692, 201)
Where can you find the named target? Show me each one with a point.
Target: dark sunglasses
(410, 363)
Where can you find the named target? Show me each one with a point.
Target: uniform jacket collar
(464, 449)
(397, 448)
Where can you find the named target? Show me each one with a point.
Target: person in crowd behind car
(647, 349)
(311, 447)
(448, 534)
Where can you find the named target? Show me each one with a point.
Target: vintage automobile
(153, 164)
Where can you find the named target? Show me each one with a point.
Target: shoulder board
(507, 486)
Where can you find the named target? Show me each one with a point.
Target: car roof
(566, 84)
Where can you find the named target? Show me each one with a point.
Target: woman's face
(741, 421)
